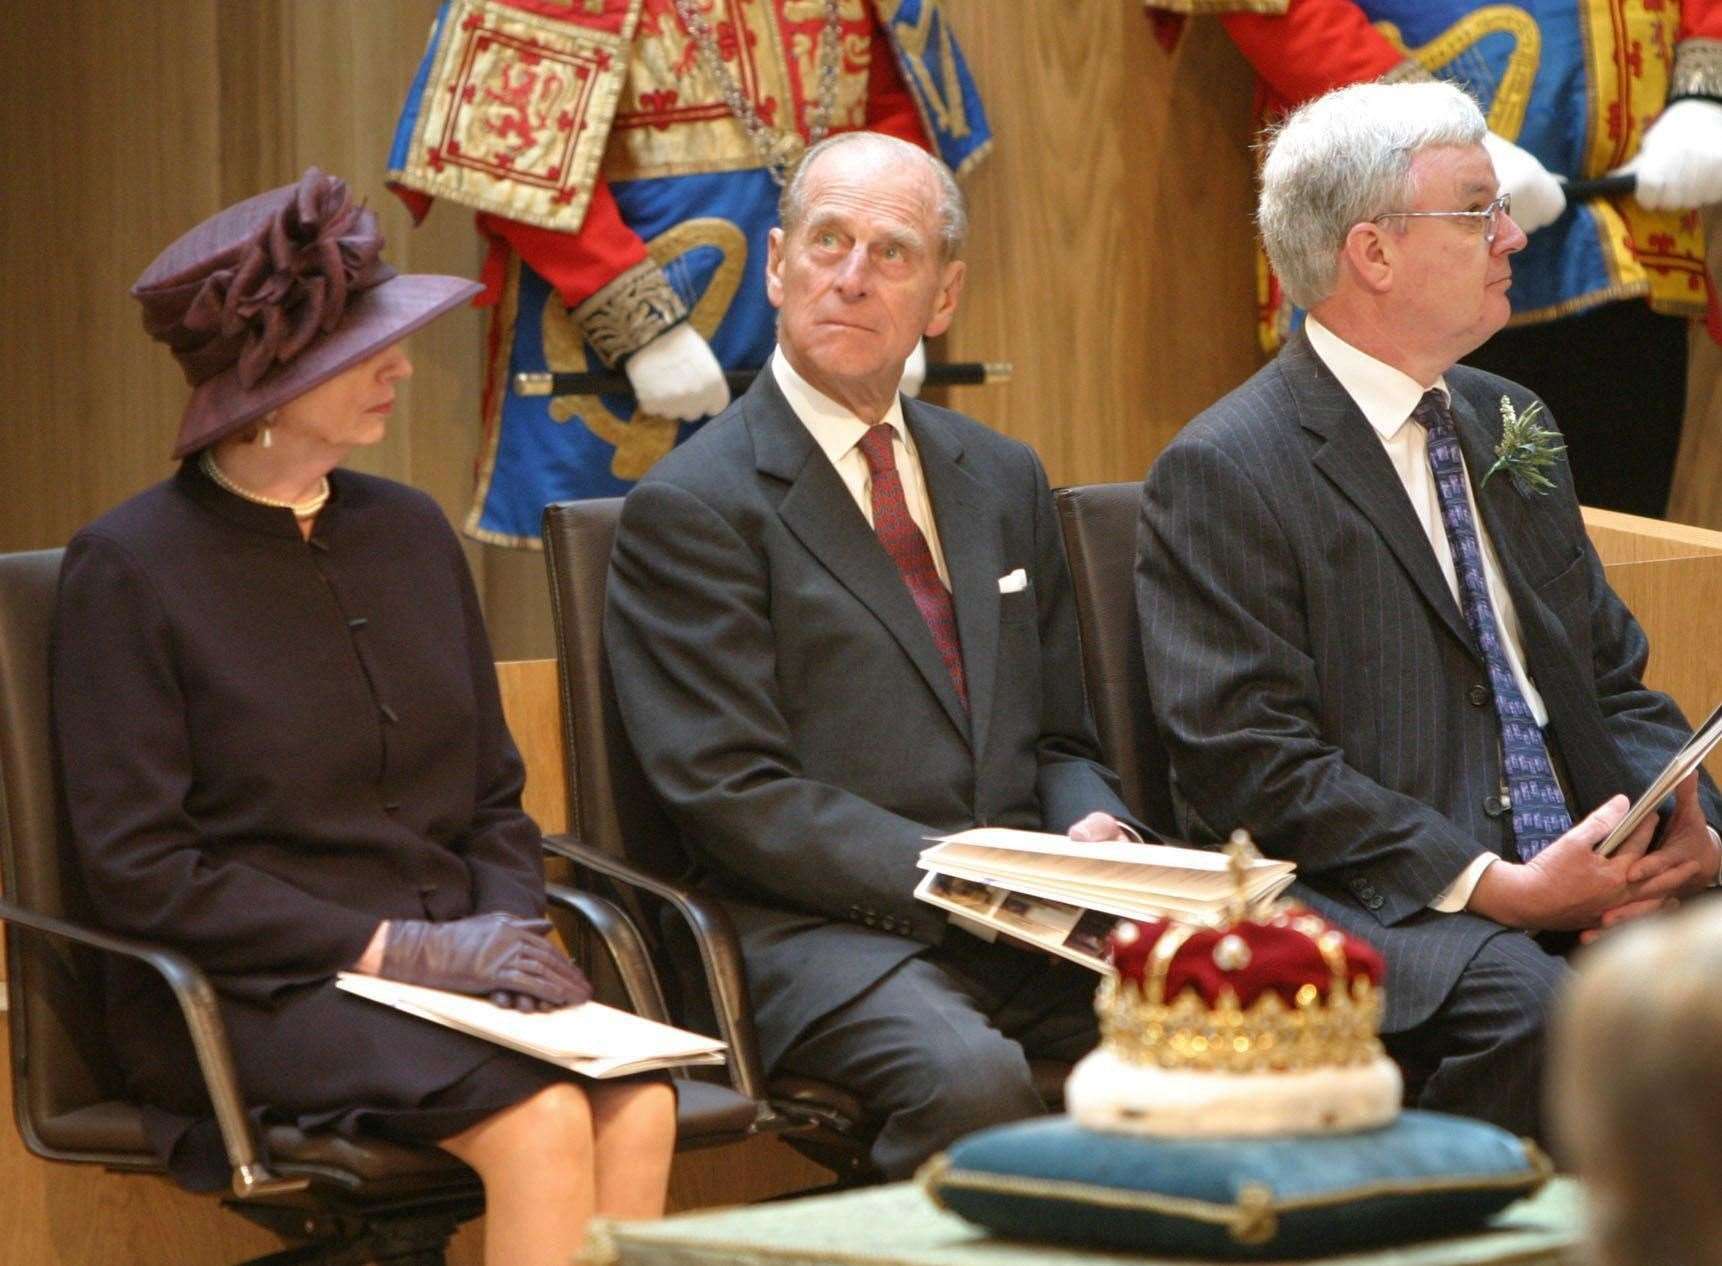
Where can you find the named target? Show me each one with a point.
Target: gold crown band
(1336, 1032)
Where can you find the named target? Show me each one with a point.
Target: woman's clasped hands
(509, 958)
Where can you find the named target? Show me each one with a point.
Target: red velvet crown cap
(1281, 954)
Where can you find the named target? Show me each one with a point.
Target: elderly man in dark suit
(840, 622)
(1395, 664)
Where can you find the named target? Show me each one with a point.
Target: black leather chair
(336, 1199)
(1099, 525)
(622, 844)
(340, 1200)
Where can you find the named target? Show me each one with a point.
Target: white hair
(1345, 158)
(952, 215)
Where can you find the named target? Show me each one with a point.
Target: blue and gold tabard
(1575, 82)
(686, 177)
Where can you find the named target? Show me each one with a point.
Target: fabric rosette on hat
(276, 294)
(1264, 1026)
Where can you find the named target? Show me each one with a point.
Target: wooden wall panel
(154, 117)
(103, 166)
(1110, 256)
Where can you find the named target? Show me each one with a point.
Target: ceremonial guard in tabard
(1572, 90)
(625, 159)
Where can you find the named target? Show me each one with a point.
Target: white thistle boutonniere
(1527, 448)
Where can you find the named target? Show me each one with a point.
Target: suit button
(1373, 901)
(855, 913)
(1479, 696)
(871, 920)
(1494, 806)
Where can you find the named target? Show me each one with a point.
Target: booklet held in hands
(591, 1039)
(1063, 896)
(1680, 766)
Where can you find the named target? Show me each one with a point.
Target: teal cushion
(1425, 1175)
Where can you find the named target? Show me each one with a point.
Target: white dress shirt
(1387, 397)
(838, 433)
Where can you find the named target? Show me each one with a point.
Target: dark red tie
(908, 549)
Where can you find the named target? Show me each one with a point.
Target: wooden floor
(78, 1215)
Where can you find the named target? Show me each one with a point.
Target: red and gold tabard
(621, 192)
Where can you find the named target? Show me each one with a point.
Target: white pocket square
(1014, 582)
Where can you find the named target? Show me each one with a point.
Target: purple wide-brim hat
(276, 294)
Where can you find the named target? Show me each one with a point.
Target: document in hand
(1064, 896)
(591, 1039)
(1691, 754)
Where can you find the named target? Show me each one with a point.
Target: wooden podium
(1671, 578)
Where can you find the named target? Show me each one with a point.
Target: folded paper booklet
(1064, 896)
(591, 1039)
(1691, 754)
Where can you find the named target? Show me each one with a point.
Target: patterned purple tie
(908, 549)
(1539, 809)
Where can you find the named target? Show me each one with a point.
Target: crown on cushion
(1264, 1026)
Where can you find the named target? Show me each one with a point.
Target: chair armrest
(720, 952)
(623, 942)
(196, 997)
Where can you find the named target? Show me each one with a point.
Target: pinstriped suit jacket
(1314, 678)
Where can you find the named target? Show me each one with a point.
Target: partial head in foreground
(1380, 206)
(865, 264)
(272, 298)
(1634, 1093)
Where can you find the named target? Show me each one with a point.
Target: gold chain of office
(779, 150)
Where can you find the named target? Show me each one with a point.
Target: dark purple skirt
(321, 1059)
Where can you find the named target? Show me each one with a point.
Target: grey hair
(953, 214)
(1345, 158)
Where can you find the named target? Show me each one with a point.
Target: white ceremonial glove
(1680, 163)
(914, 370)
(1538, 198)
(676, 376)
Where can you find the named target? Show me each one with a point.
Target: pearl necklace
(306, 509)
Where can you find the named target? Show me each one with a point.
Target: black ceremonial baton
(1600, 187)
(961, 373)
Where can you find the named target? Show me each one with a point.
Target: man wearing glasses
(1402, 671)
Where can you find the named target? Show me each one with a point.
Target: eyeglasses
(1490, 216)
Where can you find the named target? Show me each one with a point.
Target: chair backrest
(610, 805)
(60, 1062)
(1099, 523)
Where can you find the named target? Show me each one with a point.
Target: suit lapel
(819, 510)
(1352, 457)
(972, 557)
(1505, 512)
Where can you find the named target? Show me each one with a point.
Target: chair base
(412, 1234)
(841, 1153)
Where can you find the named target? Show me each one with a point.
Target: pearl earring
(268, 440)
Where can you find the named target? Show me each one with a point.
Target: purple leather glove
(484, 953)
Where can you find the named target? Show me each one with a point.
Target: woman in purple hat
(284, 751)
